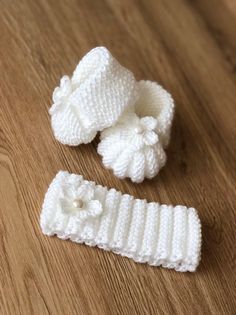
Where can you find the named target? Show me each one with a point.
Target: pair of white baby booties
(134, 118)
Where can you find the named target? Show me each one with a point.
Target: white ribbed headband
(84, 212)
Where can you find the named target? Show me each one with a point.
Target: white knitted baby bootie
(93, 99)
(84, 212)
(134, 147)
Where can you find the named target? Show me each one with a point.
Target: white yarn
(93, 99)
(135, 117)
(84, 212)
(134, 147)
(155, 101)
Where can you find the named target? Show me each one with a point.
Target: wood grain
(187, 46)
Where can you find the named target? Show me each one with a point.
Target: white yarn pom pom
(93, 99)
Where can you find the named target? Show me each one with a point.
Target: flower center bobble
(139, 129)
(78, 203)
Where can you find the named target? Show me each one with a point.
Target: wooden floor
(187, 46)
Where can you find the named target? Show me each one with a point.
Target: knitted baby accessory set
(134, 120)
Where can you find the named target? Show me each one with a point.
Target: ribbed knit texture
(146, 232)
(93, 99)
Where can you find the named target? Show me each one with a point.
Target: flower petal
(54, 108)
(65, 85)
(94, 208)
(65, 81)
(74, 180)
(66, 206)
(150, 138)
(85, 192)
(148, 122)
(82, 215)
(70, 192)
(60, 93)
(56, 95)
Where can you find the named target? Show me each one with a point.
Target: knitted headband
(84, 212)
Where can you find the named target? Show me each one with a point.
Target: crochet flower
(79, 202)
(144, 130)
(138, 132)
(61, 94)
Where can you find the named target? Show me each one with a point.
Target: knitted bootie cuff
(93, 99)
(84, 212)
(156, 102)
